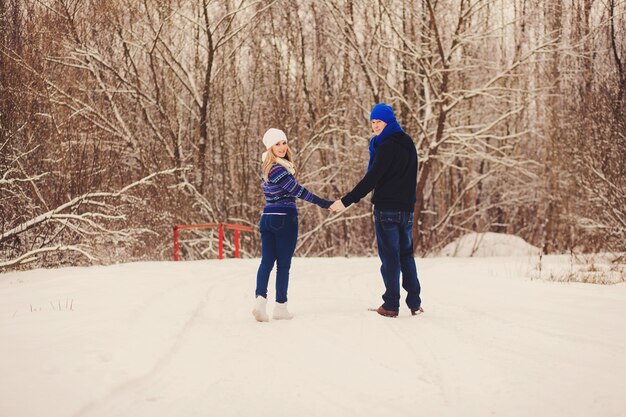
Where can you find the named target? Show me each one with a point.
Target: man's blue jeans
(279, 234)
(395, 249)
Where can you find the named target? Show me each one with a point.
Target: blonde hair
(271, 160)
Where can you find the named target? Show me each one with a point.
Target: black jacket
(393, 176)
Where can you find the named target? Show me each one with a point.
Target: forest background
(122, 118)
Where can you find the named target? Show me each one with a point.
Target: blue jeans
(279, 234)
(395, 249)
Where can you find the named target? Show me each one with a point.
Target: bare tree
(513, 105)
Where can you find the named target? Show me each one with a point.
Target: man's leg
(387, 225)
(410, 280)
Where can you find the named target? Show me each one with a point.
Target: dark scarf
(391, 128)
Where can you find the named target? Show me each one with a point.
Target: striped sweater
(281, 191)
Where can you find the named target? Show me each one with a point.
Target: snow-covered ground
(178, 339)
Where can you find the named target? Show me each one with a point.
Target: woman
(279, 222)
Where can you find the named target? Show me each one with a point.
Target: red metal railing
(220, 226)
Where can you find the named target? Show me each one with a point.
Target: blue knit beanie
(383, 112)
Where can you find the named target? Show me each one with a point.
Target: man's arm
(380, 165)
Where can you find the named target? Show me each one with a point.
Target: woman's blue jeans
(279, 234)
(395, 249)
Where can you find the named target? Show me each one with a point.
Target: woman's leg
(286, 238)
(268, 256)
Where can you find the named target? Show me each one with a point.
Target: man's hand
(337, 206)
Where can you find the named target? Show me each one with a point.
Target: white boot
(260, 309)
(281, 312)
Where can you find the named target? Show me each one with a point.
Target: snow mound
(489, 244)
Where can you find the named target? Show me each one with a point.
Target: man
(392, 174)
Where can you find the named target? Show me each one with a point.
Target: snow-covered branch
(33, 255)
(56, 213)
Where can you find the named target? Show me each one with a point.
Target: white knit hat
(272, 137)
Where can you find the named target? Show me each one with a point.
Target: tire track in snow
(147, 394)
(162, 360)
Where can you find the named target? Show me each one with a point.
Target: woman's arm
(279, 176)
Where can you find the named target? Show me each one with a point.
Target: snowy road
(178, 339)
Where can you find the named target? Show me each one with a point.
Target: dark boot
(416, 311)
(387, 313)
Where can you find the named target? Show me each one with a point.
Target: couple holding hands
(391, 173)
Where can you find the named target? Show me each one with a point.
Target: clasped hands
(336, 207)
